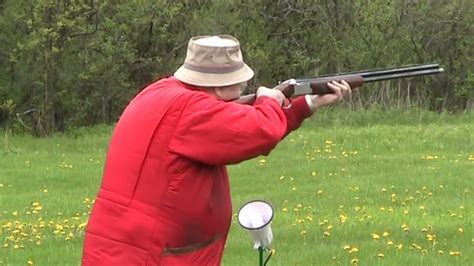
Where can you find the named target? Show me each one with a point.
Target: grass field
(365, 188)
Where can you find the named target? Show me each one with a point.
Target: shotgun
(318, 85)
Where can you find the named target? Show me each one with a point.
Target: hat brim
(196, 78)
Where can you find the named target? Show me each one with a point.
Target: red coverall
(164, 197)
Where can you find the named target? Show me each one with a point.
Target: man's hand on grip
(274, 94)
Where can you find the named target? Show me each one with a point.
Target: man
(164, 197)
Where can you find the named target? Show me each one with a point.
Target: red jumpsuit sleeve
(220, 133)
(296, 112)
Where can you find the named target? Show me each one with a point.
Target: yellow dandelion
(390, 243)
(394, 198)
(405, 227)
(454, 253)
(309, 218)
(353, 250)
(327, 234)
(303, 233)
(282, 177)
(399, 246)
(380, 255)
(329, 227)
(386, 234)
(346, 247)
(342, 218)
(354, 261)
(440, 252)
(375, 236)
(461, 230)
(284, 209)
(320, 192)
(29, 262)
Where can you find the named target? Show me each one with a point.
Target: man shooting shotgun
(318, 85)
(165, 196)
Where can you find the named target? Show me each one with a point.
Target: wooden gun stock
(318, 85)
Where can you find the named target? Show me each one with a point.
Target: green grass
(336, 184)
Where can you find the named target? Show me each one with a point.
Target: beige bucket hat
(213, 61)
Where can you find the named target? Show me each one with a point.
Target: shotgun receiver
(318, 85)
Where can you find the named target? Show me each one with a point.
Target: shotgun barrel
(318, 85)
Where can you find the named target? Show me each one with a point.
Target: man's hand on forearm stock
(340, 89)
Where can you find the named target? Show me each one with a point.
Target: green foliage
(79, 63)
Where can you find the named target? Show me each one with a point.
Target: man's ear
(218, 92)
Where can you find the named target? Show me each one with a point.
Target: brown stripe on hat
(223, 69)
